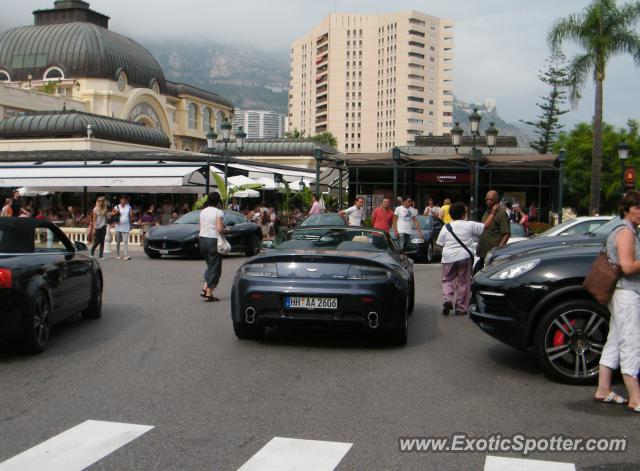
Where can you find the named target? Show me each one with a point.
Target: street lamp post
(240, 136)
(623, 155)
(211, 141)
(476, 155)
(562, 157)
(395, 154)
(317, 155)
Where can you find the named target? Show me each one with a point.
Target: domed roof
(79, 45)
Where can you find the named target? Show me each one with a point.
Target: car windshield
(517, 230)
(562, 225)
(330, 219)
(426, 222)
(334, 238)
(190, 218)
(609, 226)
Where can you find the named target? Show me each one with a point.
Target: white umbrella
(239, 180)
(27, 191)
(246, 194)
(267, 183)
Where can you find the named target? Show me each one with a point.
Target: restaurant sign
(433, 177)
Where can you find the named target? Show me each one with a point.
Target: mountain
(249, 77)
(489, 113)
(256, 79)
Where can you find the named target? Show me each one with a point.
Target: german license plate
(164, 252)
(300, 302)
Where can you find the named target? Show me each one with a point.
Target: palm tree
(603, 29)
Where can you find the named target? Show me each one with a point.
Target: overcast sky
(499, 44)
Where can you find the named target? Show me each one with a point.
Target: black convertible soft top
(17, 234)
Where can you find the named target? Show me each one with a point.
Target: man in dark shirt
(16, 204)
(497, 234)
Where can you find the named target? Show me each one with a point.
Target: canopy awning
(108, 177)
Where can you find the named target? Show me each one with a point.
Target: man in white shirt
(123, 226)
(355, 213)
(404, 220)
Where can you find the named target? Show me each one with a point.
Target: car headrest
(361, 238)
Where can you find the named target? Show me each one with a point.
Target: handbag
(224, 247)
(114, 218)
(601, 280)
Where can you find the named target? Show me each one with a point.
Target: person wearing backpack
(265, 219)
(458, 240)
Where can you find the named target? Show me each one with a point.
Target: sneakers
(127, 258)
(446, 308)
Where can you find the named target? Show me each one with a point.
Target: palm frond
(628, 43)
(565, 29)
(579, 69)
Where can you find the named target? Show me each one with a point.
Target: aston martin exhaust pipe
(373, 320)
(250, 315)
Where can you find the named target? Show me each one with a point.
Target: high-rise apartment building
(260, 124)
(373, 81)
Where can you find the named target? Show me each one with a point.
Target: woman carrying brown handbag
(622, 348)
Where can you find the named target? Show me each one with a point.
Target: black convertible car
(344, 276)
(535, 299)
(181, 237)
(43, 280)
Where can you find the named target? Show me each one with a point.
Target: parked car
(44, 280)
(597, 237)
(181, 237)
(577, 226)
(324, 219)
(536, 299)
(518, 234)
(422, 247)
(347, 276)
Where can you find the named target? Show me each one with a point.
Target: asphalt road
(162, 357)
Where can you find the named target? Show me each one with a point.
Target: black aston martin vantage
(181, 237)
(340, 276)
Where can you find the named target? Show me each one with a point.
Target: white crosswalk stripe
(498, 463)
(76, 448)
(290, 454)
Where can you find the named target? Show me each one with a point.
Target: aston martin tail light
(6, 278)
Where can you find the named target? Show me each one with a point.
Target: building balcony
(322, 79)
(322, 49)
(322, 69)
(416, 33)
(416, 44)
(321, 109)
(321, 89)
(322, 118)
(320, 129)
(322, 59)
(321, 99)
(322, 39)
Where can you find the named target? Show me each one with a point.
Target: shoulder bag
(450, 229)
(601, 280)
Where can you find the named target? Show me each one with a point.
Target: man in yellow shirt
(444, 211)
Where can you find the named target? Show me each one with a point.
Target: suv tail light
(6, 280)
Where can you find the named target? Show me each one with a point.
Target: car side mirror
(266, 244)
(80, 246)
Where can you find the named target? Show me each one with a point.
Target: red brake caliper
(559, 336)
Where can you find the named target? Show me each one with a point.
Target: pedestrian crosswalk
(76, 448)
(91, 441)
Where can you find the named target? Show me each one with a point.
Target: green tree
(603, 29)
(579, 143)
(325, 138)
(295, 134)
(547, 124)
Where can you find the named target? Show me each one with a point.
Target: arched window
(53, 73)
(4, 76)
(206, 119)
(193, 116)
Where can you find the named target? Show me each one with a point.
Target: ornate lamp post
(623, 155)
(476, 155)
(395, 154)
(211, 141)
(240, 136)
